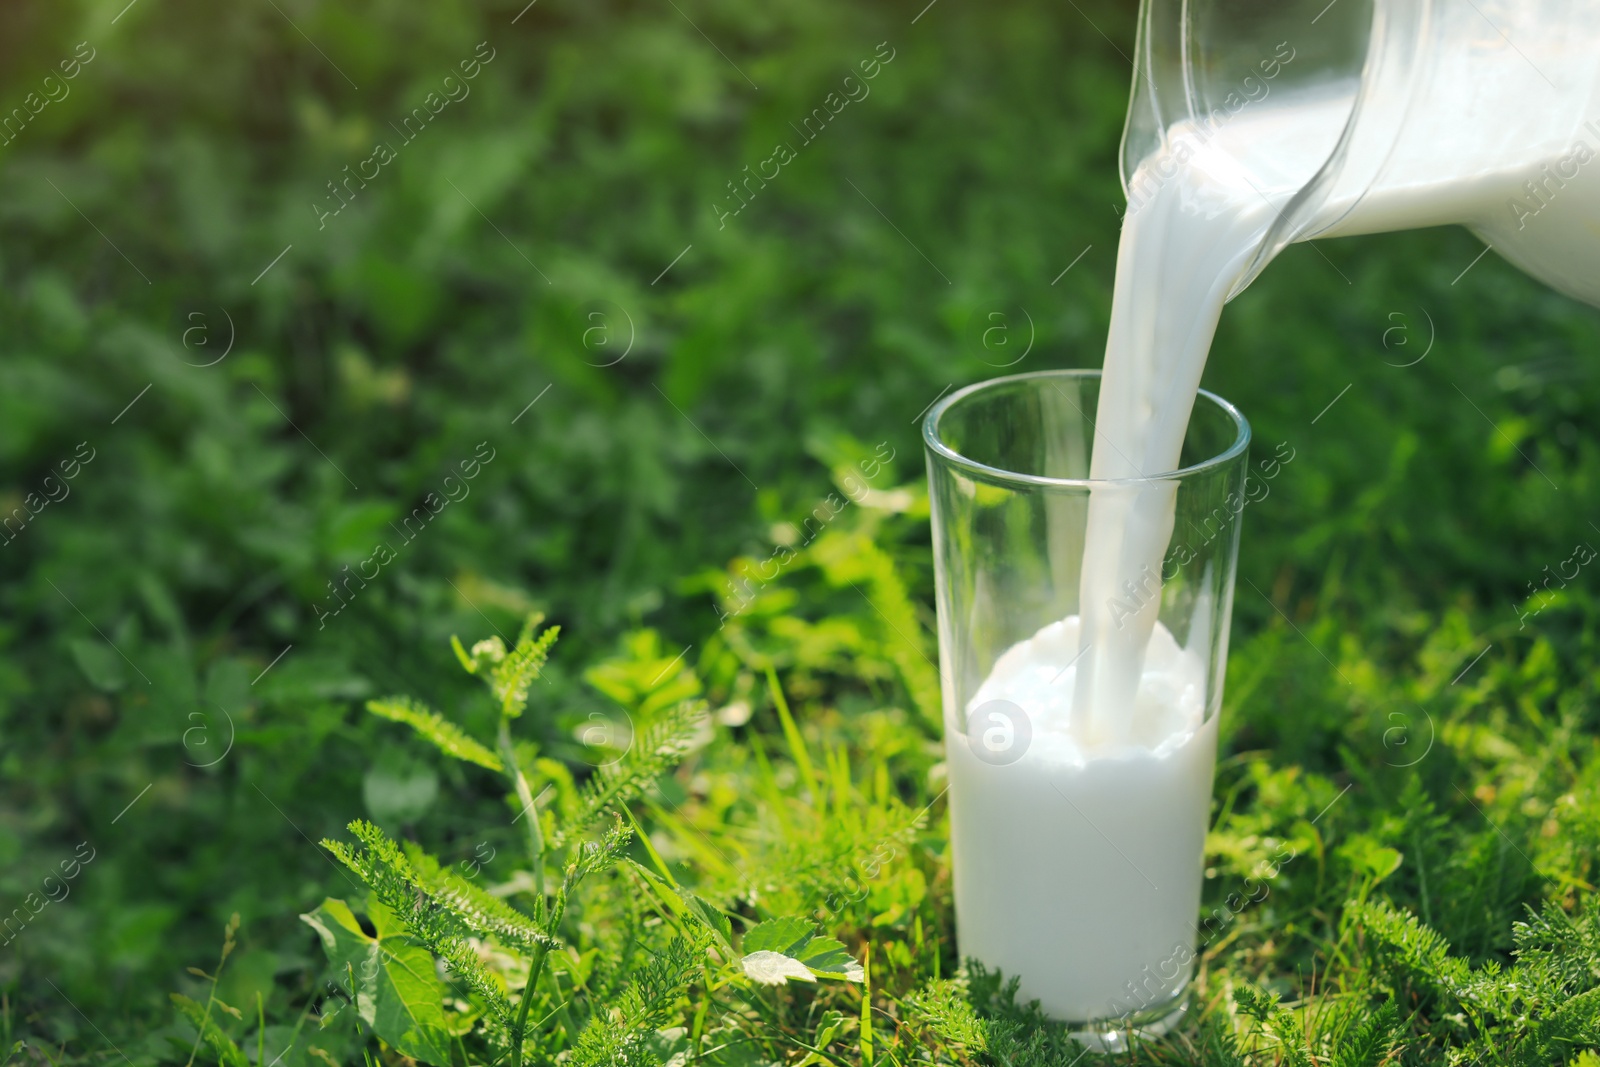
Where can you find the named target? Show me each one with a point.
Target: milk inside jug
(1251, 125)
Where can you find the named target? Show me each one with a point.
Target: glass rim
(934, 444)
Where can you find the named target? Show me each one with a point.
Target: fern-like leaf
(944, 1008)
(392, 879)
(1563, 1031)
(596, 856)
(1561, 951)
(509, 674)
(1278, 1021)
(480, 912)
(658, 748)
(1372, 1041)
(437, 730)
(484, 655)
(620, 1035)
(1415, 953)
(511, 678)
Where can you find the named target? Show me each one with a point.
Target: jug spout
(1359, 117)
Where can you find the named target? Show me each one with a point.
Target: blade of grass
(791, 733)
(866, 1006)
(650, 850)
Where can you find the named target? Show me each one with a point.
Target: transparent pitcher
(1361, 116)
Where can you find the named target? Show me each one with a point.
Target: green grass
(1410, 713)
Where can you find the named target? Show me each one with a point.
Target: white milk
(1099, 829)
(1101, 844)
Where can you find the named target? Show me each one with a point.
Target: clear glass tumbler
(1078, 855)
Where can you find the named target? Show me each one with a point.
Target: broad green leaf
(299, 679)
(788, 935)
(683, 902)
(828, 1029)
(398, 993)
(666, 892)
(1370, 858)
(689, 904)
(646, 677)
(709, 914)
(795, 939)
(830, 959)
(227, 683)
(670, 1045)
(437, 730)
(100, 663)
(399, 788)
(352, 530)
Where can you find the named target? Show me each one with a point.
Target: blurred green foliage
(176, 693)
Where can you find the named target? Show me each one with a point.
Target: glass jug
(1361, 116)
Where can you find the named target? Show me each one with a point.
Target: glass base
(1118, 1035)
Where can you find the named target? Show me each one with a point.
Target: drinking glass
(1078, 869)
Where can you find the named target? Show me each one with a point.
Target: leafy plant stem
(534, 969)
(529, 809)
(866, 1006)
(205, 1020)
(562, 1000)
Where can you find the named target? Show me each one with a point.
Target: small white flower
(735, 714)
(492, 647)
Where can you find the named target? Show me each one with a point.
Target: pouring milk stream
(1251, 126)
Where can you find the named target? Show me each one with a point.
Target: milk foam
(1168, 710)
